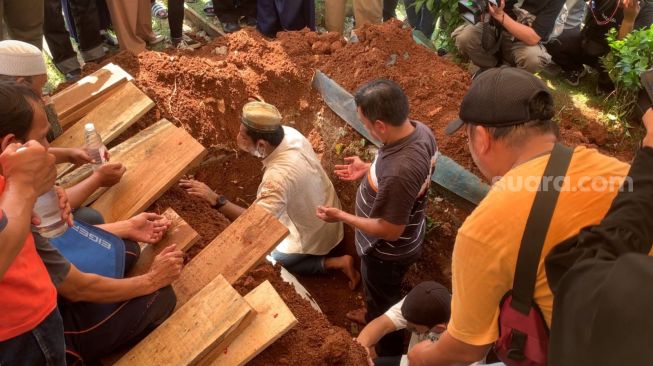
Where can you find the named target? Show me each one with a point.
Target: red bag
(523, 333)
(523, 339)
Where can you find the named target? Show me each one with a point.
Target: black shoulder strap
(537, 227)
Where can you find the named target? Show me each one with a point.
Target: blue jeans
(88, 215)
(43, 345)
(300, 263)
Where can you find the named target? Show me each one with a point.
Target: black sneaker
(108, 39)
(73, 75)
(573, 77)
(250, 21)
(185, 43)
(230, 27)
(604, 85)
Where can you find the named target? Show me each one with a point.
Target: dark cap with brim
(498, 97)
(428, 303)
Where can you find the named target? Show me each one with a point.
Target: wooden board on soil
(111, 118)
(202, 325)
(73, 102)
(179, 233)
(155, 160)
(273, 319)
(234, 252)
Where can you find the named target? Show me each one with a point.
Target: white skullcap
(20, 59)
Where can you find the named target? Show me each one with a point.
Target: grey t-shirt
(56, 264)
(396, 190)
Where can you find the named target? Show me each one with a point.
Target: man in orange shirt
(507, 115)
(31, 330)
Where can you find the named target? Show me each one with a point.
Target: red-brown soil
(203, 92)
(313, 341)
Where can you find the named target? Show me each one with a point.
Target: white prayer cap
(20, 59)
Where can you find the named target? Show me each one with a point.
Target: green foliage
(629, 57)
(448, 17)
(627, 60)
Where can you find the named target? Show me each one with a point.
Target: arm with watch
(217, 201)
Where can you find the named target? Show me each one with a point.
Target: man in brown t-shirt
(391, 199)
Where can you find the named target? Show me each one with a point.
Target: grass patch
(54, 76)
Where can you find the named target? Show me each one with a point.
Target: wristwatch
(222, 200)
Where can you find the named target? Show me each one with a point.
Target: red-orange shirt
(27, 295)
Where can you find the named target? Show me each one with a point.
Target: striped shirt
(396, 190)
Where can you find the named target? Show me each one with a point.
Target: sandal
(208, 10)
(159, 10)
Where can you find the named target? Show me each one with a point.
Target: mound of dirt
(204, 91)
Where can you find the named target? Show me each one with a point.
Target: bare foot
(350, 271)
(345, 264)
(357, 316)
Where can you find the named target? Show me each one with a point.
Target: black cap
(429, 304)
(498, 97)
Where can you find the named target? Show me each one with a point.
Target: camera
(472, 10)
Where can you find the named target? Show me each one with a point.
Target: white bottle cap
(89, 127)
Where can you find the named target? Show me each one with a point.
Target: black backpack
(602, 281)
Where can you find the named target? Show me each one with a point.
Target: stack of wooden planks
(155, 158)
(212, 324)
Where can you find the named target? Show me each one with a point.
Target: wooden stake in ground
(234, 252)
(179, 233)
(273, 319)
(204, 323)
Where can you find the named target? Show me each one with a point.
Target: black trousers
(93, 330)
(176, 18)
(274, 16)
(88, 30)
(567, 51)
(422, 20)
(382, 286)
(230, 11)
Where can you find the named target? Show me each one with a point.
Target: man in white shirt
(425, 311)
(294, 184)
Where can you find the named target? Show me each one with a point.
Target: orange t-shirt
(487, 245)
(27, 295)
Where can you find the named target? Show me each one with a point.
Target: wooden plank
(111, 118)
(234, 252)
(75, 115)
(88, 89)
(206, 25)
(118, 153)
(273, 319)
(179, 233)
(195, 329)
(153, 165)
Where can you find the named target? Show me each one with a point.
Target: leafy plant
(446, 14)
(628, 59)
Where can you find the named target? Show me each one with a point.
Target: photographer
(587, 45)
(513, 35)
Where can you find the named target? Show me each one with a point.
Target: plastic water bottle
(47, 208)
(94, 145)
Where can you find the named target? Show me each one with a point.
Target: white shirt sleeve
(271, 195)
(395, 315)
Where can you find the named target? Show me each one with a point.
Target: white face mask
(258, 152)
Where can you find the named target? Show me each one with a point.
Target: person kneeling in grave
(294, 184)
